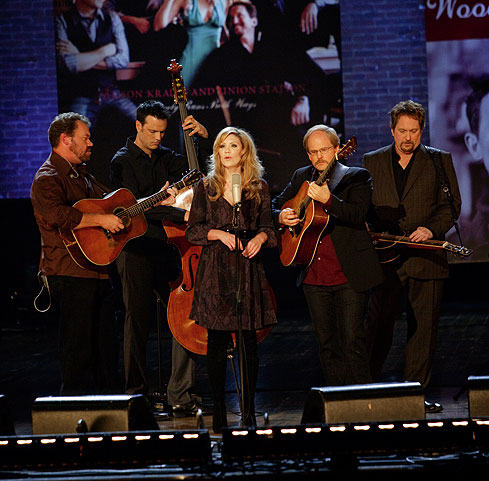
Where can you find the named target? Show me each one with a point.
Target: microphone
(236, 189)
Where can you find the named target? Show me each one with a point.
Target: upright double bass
(185, 330)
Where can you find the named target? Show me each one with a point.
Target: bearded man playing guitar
(82, 295)
(342, 266)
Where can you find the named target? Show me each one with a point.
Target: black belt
(243, 234)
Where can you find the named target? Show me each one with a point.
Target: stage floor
(289, 365)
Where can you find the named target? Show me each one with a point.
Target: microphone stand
(243, 387)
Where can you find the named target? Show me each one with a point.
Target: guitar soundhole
(120, 212)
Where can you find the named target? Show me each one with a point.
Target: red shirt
(325, 269)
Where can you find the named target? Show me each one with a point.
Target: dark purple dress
(214, 304)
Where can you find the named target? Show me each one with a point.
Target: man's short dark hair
(480, 88)
(411, 109)
(153, 108)
(252, 12)
(64, 123)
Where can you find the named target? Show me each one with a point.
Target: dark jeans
(337, 314)
(88, 341)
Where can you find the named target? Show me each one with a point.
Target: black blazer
(351, 191)
(422, 204)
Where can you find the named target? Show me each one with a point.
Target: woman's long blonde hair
(251, 167)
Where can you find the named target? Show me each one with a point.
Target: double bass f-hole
(191, 274)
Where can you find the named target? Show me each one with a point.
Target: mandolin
(387, 246)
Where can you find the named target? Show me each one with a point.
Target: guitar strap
(435, 155)
(91, 181)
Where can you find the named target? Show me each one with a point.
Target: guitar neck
(323, 176)
(150, 201)
(429, 244)
(399, 239)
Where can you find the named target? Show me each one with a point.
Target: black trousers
(424, 297)
(88, 338)
(143, 277)
(338, 316)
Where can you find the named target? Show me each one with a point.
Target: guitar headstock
(179, 92)
(191, 178)
(348, 148)
(459, 250)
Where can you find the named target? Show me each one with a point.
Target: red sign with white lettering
(456, 19)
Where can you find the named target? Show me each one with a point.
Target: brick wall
(28, 97)
(384, 61)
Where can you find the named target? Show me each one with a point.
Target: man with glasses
(345, 265)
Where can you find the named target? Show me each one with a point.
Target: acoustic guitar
(388, 245)
(91, 246)
(298, 244)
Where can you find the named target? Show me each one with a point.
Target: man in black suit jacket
(345, 265)
(408, 199)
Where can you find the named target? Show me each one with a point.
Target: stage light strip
(313, 430)
(187, 447)
(410, 425)
(24, 441)
(362, 427)
(48, 441)
(337, 428)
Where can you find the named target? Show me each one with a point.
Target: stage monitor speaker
(6, 424)
(79, 414)
(357, 403)
(478, 390)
